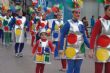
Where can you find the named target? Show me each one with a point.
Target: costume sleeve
(35, 47)
(51, 46)
(26, 24)
(53, 25)
(12, 23)
(37, 27)
(82, 30)
(96, 30)
(64, 32)
(47, 25)
(30, 26)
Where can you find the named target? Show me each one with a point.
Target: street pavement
(11, 64)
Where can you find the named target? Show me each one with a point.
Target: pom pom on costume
(6, 28)
(18, 22)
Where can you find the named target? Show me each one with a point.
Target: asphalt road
(11, 64)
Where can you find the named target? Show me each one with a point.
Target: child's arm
(64, 32)
(37, 27)
(47, 26)
(53, 25)
(30, 26)
(95, 32)
(51, 46)
(35, 47)
(82, 30)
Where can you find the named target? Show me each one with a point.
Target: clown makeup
(76, 14)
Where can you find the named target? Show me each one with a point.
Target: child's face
(59, 16)
(107, 12)
(20, 13)
(43, 35)
(76, 14)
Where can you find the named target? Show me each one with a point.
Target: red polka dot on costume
(6, 28)
(42, 25)
(18, 22)
(103, 41)
(71, 38)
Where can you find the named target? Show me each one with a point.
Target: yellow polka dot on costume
(48, 30)
(56, 27)
(18, 32)
(102, 54)
(70, 52)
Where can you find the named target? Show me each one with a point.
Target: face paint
(76, 14)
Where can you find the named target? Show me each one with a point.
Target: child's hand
(52, 53)
(91, 53)
(32, 54)
(61, 51)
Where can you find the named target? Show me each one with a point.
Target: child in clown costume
(20, 27)
(32, 29)
(33, 24)
(7, 26)
(74, 32)
(36, 18)
(43, 23)
(56, 27)
(42, 51)
(2, 17)
(101, 35)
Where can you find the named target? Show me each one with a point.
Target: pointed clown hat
(74, 4)
(4, 8)
(105, 2)
(57, 8)
(43, 30)
(18, 8)
(31, 10)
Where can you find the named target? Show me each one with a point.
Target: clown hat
(74, 4)
(39, 8)
(4, 9)
(31, 11)
(18, 8)
(43, 30)
(107, 2)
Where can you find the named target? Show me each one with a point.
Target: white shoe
(20, 54)
(63, 70)
(17, 55)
